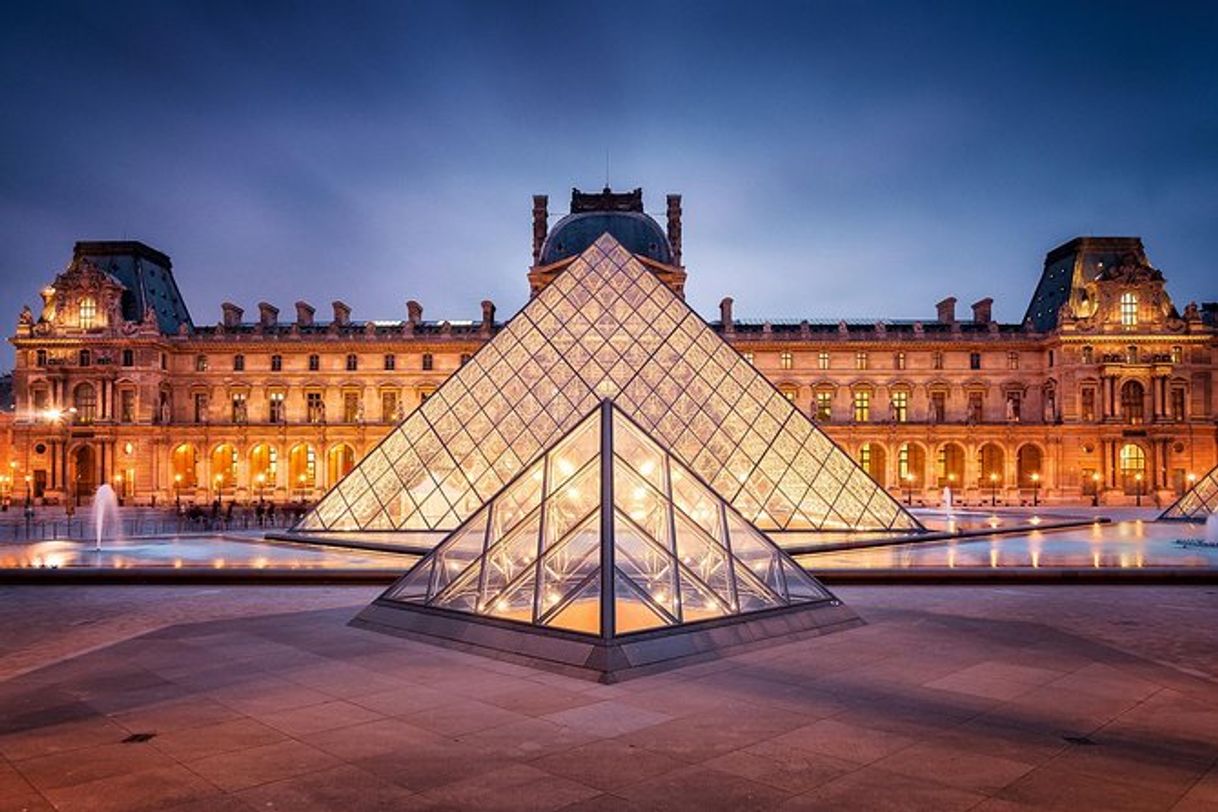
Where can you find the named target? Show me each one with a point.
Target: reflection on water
(212, 552)
(1124, 544)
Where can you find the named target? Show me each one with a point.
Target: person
(258, 512)
(270, 514)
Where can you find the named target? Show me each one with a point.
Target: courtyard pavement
(951, 698)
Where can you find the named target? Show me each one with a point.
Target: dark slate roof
(147, 275)
(637, 232)
(1074, 263)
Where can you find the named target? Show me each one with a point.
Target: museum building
(1104, 390)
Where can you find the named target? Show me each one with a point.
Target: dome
(638, 234)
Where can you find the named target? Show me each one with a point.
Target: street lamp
(909, 489)
(1095, 489)
(177, 490)
(261, 481)
(301, 480)
(118, 488)
(993, 489)
(219, 480)
(1138, 489)
(1035, 489)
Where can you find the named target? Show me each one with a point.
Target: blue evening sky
(837, 159)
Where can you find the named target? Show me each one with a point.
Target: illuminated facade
(1104, 386)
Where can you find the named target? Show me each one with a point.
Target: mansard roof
(146, 275)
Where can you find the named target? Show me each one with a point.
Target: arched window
(88, 313)
(184, 464)
(84, 398)
(1129, 309)
(1133, 467)
(1133, 402)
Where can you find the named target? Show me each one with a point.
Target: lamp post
(177, 491)
(5, 490)
(118, 488)
(1137, 479)
(219, 489)
(1035, 489)
(909, 489)
(301, 480)
(993, 490)
(261, 482)
(1095, 489)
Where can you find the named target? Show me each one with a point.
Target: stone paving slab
(970, 698)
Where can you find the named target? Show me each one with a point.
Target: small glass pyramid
(1199, 502)
(607, 328)
(606, 534)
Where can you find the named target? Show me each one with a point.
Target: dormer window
(88, 313)
(1129, 310)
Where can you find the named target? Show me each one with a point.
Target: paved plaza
(985, 698)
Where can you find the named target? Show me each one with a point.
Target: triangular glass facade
(1198, 502)
(606, 534)
(607, 328)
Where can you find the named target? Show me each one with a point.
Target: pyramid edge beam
(1174, 513)
(598, 659)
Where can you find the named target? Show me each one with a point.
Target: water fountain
(105, 504)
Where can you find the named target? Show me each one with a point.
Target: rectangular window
(201, 363)
(391, 362)
(1088, 406)
(938, 407)
(352, 409)
(900, 407)
(315, 408)
(276, 363)
(1129, 310)
(1014, 406)
(862, 406)
(824, 406)
(429, 362)
(898, 360)
(239, 407)
(40, 400)
(1177, 354)
(789, 393)
(88, 313)
(128, 358)
(314, 363)
(389, 406)
(352, 362)
(860, 360)
(40, 358)
(238, 363)
(1177, 404)
(976, 407)
(126, 405)
(822, 360)
(275, 411)
(974, 360)
(1013, 360)
(785, 360)
(200, 401)
(936, 360)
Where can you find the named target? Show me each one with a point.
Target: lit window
(865, 457)
(786, 361)
(822, 360)
(860, 360)
(1088, 355)
(824, 406)
(239, 412)
(862, 406)
(1177, 354)
(391, 362)
(429, 362)
(84, 399)
(314, 407)
(1013, 360)
(937, 359)
(88, 313)
(898, 360)
(200, 363)
(276, 363)
(389, 406)
(276, 411)
(1129, 309)
(789, 393)
(900, 407)
(748, 356)
(353, 410)
(352, 362)
(1131, 353)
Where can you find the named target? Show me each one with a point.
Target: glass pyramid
(607, 328)
(1198, 502)
(606, 534)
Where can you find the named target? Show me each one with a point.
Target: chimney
(541, 205)
(342, 313)
(304, 314)
(268, 314)
(414, 312)
(725, 315)
(674, 227)
(947, 310)
(982, 310)
(232, 314)
(488, 315)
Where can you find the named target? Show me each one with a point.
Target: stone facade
(1104, 389)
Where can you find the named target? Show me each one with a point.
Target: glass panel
(516, 602)
(568, 564)
(454, 555)
(642, 503)
(521, 497)
(505, 560)
(651, 568)
(583, 612)
(800, 586)
(414, 585)
(572, 502)
(462, 593)
(640, 453)
(696, 502)
(698, 602)
(705, 558)
(758, 555)
(752, 594)
(631, 613)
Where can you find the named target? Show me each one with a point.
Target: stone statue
(26, 319)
